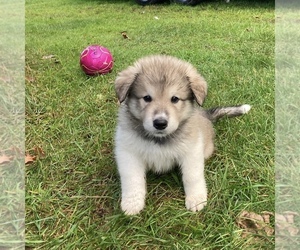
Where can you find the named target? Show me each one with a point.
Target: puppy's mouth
(157, 133)
(158, 137)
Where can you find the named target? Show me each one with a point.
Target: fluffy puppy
(160, 125)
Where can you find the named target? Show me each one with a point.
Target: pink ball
(96, 59)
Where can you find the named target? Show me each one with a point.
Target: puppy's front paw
(132, 205)
(195, 203)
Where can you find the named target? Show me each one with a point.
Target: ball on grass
(96, 59)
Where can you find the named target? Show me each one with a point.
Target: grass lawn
(73, 191)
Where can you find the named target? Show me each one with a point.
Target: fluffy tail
(214, 114)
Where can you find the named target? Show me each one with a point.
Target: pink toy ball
(96, 59)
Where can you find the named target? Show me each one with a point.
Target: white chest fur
(156, 157)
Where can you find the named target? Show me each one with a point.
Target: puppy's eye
(147, 98)
(174, 99)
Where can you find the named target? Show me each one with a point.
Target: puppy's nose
(160, 124)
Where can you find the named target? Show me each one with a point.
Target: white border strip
(287, 108)
(12, 124)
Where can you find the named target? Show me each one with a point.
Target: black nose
(160, 124)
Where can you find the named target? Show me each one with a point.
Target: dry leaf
(5, 159)
(39, 152)
(17, 151)
(289, 215)
(284, 224)
(48, 57)
(6, 79)
(29, 159)
(280, 220)
(124, 34)
(293, 231)
(266, 218)
(32, 157)
(254, 223)
(30, 79)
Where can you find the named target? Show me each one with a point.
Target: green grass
(73, 193)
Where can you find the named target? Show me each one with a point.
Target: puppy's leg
(194, 182)
(133, 182)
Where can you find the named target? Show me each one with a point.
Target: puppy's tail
(214, 114)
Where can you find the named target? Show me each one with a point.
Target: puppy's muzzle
(160, 123)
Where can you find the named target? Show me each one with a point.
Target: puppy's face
(160, 92)
(160, 103)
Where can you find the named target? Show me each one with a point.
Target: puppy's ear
(198, 86)
(124, 81)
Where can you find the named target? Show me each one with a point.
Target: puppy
(160, 125)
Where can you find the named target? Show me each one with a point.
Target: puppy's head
(160, 92)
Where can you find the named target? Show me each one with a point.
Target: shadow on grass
(236, 3)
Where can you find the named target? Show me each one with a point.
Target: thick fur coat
(161, 125)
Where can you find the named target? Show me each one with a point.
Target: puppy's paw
(195, 203)
(132, 205)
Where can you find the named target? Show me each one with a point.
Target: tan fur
(169, 130)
